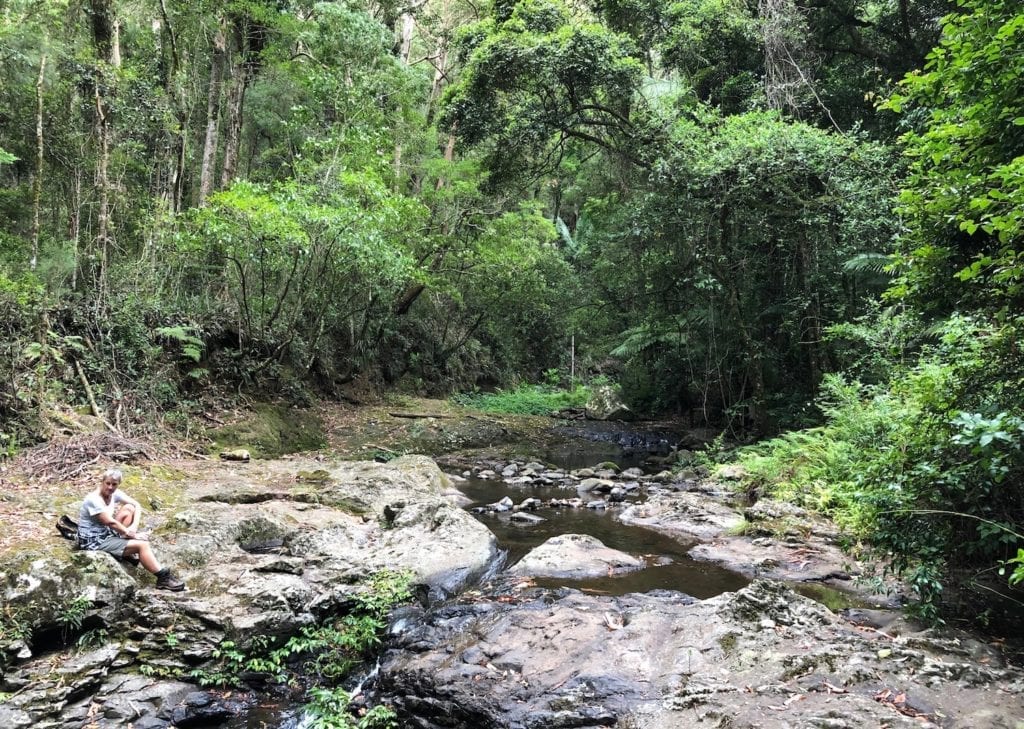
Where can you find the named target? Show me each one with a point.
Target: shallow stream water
(668, 565)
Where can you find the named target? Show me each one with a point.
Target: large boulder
(53, 591)
(605, 403)
(265, 550)
(763, 656)
(575, 557)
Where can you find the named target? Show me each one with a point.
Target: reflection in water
(669, 566)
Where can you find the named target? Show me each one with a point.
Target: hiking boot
(167, 581)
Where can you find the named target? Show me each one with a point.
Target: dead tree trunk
(217, 63)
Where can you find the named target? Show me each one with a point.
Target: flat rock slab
(265, 550)
(810, 561)
(683, 514)
(575, 557)
(761, 657)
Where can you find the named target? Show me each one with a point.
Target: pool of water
(669, 567)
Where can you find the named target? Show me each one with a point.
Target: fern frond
(877, 263)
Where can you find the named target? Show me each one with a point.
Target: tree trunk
(752, 348)
(101, 16)
(811, 332)
(37, 184)
(405, 43)
(408, 24)
(75, 224)
(233, 128)
(106, 42)
(249, 38)
(206, 174)
(440, 76)
(172, 191)
(102, 238)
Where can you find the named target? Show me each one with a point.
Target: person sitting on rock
(108, 522)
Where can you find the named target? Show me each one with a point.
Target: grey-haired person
(109, 522)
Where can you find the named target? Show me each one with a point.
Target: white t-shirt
(91, 531)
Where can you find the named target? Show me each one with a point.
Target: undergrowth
(926, 466)
(525, 400)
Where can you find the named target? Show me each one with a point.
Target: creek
(668, 567)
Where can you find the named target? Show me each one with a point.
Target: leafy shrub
(928, 467)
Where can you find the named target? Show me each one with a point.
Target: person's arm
(107, 520)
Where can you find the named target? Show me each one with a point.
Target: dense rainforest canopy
(758, 214)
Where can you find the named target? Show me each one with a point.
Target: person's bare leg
(125, 514)
(145, 552)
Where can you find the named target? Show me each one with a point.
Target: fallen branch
(92, 399)
(418, 415)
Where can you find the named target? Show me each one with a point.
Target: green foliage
(227, 671)
(191, 345)
(95, 638)
(327, 708)
(535, 78)
(72, 614)
(14, 625)
(525, 400)
(903, 465)
(725, 271)
(964, 200)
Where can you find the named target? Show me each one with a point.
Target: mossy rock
(270, 431)
(40, 587)
(259, 533)
(349, 504)
(319, 476)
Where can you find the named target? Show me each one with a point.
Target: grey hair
(114, 473)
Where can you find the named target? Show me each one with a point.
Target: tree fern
(870, 262)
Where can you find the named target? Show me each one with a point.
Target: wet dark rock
(763, 656)
(202, 708)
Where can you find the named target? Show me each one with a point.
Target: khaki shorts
(113, 545)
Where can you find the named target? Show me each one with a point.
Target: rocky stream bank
(272, 546)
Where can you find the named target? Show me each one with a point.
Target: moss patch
(319, 476)
(349, 504)
(270, 431)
